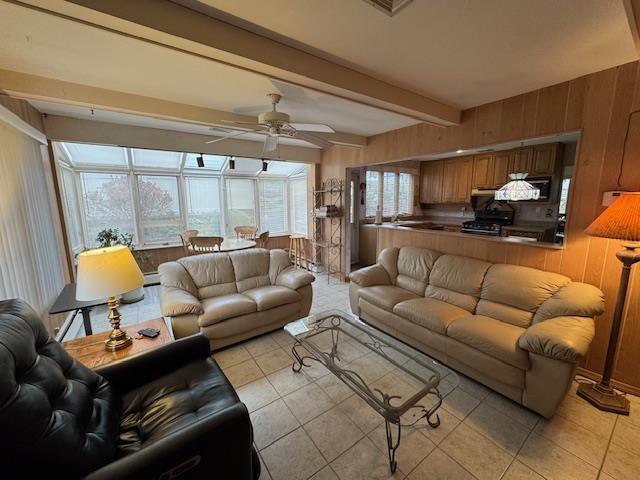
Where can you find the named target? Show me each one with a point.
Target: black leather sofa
(163, 414)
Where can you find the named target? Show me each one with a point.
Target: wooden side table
(90, 350)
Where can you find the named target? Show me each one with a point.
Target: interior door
(354, 215)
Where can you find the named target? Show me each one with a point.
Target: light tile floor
(311, 426)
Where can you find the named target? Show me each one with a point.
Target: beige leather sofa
(518, 330)
(233, 296)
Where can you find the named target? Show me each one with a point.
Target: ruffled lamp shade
(620, 220)
(517, 189)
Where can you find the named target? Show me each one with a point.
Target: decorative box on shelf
(325, 211)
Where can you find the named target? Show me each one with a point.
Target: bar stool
(297, 249)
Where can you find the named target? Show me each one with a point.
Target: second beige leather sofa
(518, 330)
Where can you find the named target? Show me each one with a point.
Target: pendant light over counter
(517, 189)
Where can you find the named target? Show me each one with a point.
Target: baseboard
(633, 390)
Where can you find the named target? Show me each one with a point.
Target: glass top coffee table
(389, 375)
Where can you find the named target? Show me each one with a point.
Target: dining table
(228, 245)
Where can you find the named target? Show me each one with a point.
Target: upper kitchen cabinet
(502, 162)
(431, 175)
(456, 184)
(522, 160)
(483, 171)
(545, 160)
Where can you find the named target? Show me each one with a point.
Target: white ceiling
(41, 44)
(463, 52)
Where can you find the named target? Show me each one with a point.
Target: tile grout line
(606, 452)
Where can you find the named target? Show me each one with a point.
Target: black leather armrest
(147, 366)
(215, 446)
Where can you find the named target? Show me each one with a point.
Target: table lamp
(621, 220)
(106, 273)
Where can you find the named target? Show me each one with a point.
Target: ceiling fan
(274, 124)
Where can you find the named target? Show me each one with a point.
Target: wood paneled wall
(599, 105)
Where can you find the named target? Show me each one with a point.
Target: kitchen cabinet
(502, 162)
(522, 160)
(483, 166)
(431, 176)
(544, 160)
(457, 179)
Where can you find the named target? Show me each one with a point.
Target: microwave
(543, 184)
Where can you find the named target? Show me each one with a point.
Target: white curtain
(31, 265)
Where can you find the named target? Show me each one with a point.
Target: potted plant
(112, 236)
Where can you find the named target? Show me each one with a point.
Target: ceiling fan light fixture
(200, 161)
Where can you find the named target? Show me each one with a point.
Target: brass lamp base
(604, 398)
(118, 339)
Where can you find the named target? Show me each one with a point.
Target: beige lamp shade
(107, 272)
(620, 220)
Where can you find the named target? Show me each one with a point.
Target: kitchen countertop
(523, 242)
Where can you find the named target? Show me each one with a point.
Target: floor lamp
(621, 220)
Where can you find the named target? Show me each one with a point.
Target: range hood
(485, 192)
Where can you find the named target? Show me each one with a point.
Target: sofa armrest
(294, 278)
(368, 276)
(174, 302)
(561, 338)
(220, 442)
(145, 367)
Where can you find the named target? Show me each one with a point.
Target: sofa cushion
(217, 309)
(251, 268)
(492, 337)
(414, 267)
(272, 296)
(212, 274)
(430, 313)
(457, 280)
(385, 296)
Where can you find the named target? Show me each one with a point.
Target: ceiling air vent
(390, 7)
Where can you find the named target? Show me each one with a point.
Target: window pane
(211, 162)
(405, 193)
(241, 203)
(299, 205)
(389, 194)
(203, 205)
(564, 196)
(273, 206)
(72, 214)
(371, 198)
(284, 168)
(156, 159)
(107, 203)
(96, 155)
(159, 209)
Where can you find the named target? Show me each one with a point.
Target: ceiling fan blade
(249, 124)
(316, 140)
(237, 134)
(270, 143)
(312, 127)
(255, 109)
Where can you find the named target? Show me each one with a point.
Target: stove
(489, 221)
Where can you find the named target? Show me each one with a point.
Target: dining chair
(263, 240)
(246, 232)
(206, 244)
(185, 237)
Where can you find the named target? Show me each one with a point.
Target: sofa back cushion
(388, 258)
(251, 268)
(457, 280)
(279, 260)
(414, 267)
(175, 275)
(512, 293)
(212, 274)
(573, 299)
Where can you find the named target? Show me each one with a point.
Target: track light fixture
(232, 163)
(200, 161)
(265, 165)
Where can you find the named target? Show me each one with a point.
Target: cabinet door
(544, 160)
(464, 179)
(431, 174)
(522, 160)
(449, 181)
(502, 162)
(482, 171)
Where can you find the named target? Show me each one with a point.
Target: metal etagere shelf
(327, 227)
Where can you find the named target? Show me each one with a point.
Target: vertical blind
(31, 267)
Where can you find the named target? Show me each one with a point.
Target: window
(241, 204)
(211, 162)
(564, 196)
(203, 205)
(373, 193)
(156, 159)
(107, 203)
(71, 210)
(160, 220)
(273, 206)
(81, 154)
(405, 193)
(389, 194)
(298, 206)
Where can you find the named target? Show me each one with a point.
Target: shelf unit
(327, 230)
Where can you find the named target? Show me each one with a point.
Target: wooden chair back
(206, 244)
(185, 238)
(263, 240)
(246, 232)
